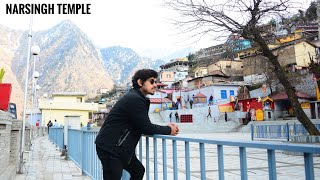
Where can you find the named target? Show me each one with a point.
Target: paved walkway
(46, 163)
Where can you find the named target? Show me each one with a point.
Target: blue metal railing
(307, 150)
(284, 131)
(81, 149)
(56, 136)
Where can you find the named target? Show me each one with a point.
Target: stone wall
(9, 145)
(5, 144)
(15, 141)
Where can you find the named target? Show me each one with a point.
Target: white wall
(214, 91)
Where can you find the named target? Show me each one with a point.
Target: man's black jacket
(125, 123)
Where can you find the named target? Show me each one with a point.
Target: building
(103, 91)
(66, 104)
(307, 28)
(293, 55)
(227, 66)
(210, 52)
(237, 43)
(174, 71)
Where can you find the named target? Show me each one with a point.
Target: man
(122, 129)
(177, 116)
(211, 100)
(55, 123)
(209, 112)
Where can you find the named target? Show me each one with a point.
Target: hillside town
(229, 77)
(234, 76)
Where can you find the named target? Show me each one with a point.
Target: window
(79, 99)
(223, 94)
(231, 92)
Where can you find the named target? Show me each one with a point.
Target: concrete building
(174, 71)
(294, 55)
(66, 104)
(103, 91)
(227, 66)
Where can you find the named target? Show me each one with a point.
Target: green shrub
(2, 72)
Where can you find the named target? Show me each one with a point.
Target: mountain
(9, 40)
(124, 62)
(68, 61)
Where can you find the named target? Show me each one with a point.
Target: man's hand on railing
(174, 129)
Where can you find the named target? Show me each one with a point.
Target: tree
(311, 13)
(245, 17)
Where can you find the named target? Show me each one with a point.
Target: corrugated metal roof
(159, 100)
(200, 95)
(283, 95)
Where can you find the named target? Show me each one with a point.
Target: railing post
(243, 163)
(164, 158)
(147, 159)
(220, 162)
(252, 131)
(187, 159)
(82, 151)
(287, 134)
(308, 166)
(294, 129)
(155, 165)
(140, 149)
(272, 165)
(202, 161)
(175, 162)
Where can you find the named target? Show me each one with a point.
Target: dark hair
(143, 74)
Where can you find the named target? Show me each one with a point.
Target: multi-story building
(295, 55)
(237, 43)
(65, 104)
(174, 71)
(227, 67)
(210, 52)
(307, 28)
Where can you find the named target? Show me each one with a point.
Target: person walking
(225, 116)
(177, 116)
(170, 116)
(49, 125)
(211, 100)
(191, 102)
(127, 121)
(209, 113)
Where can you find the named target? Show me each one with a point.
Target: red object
(158, 100)
(186, 118)
(5, 92)
(37, 124)
(283, 95)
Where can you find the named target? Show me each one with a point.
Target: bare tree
(218, 18)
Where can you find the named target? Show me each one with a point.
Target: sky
(138, 24)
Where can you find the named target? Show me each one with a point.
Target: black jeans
(113, 166)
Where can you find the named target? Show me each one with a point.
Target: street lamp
(35, 50)
(45, 96)
(92, 111)
(50, 102)
(25, 98)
